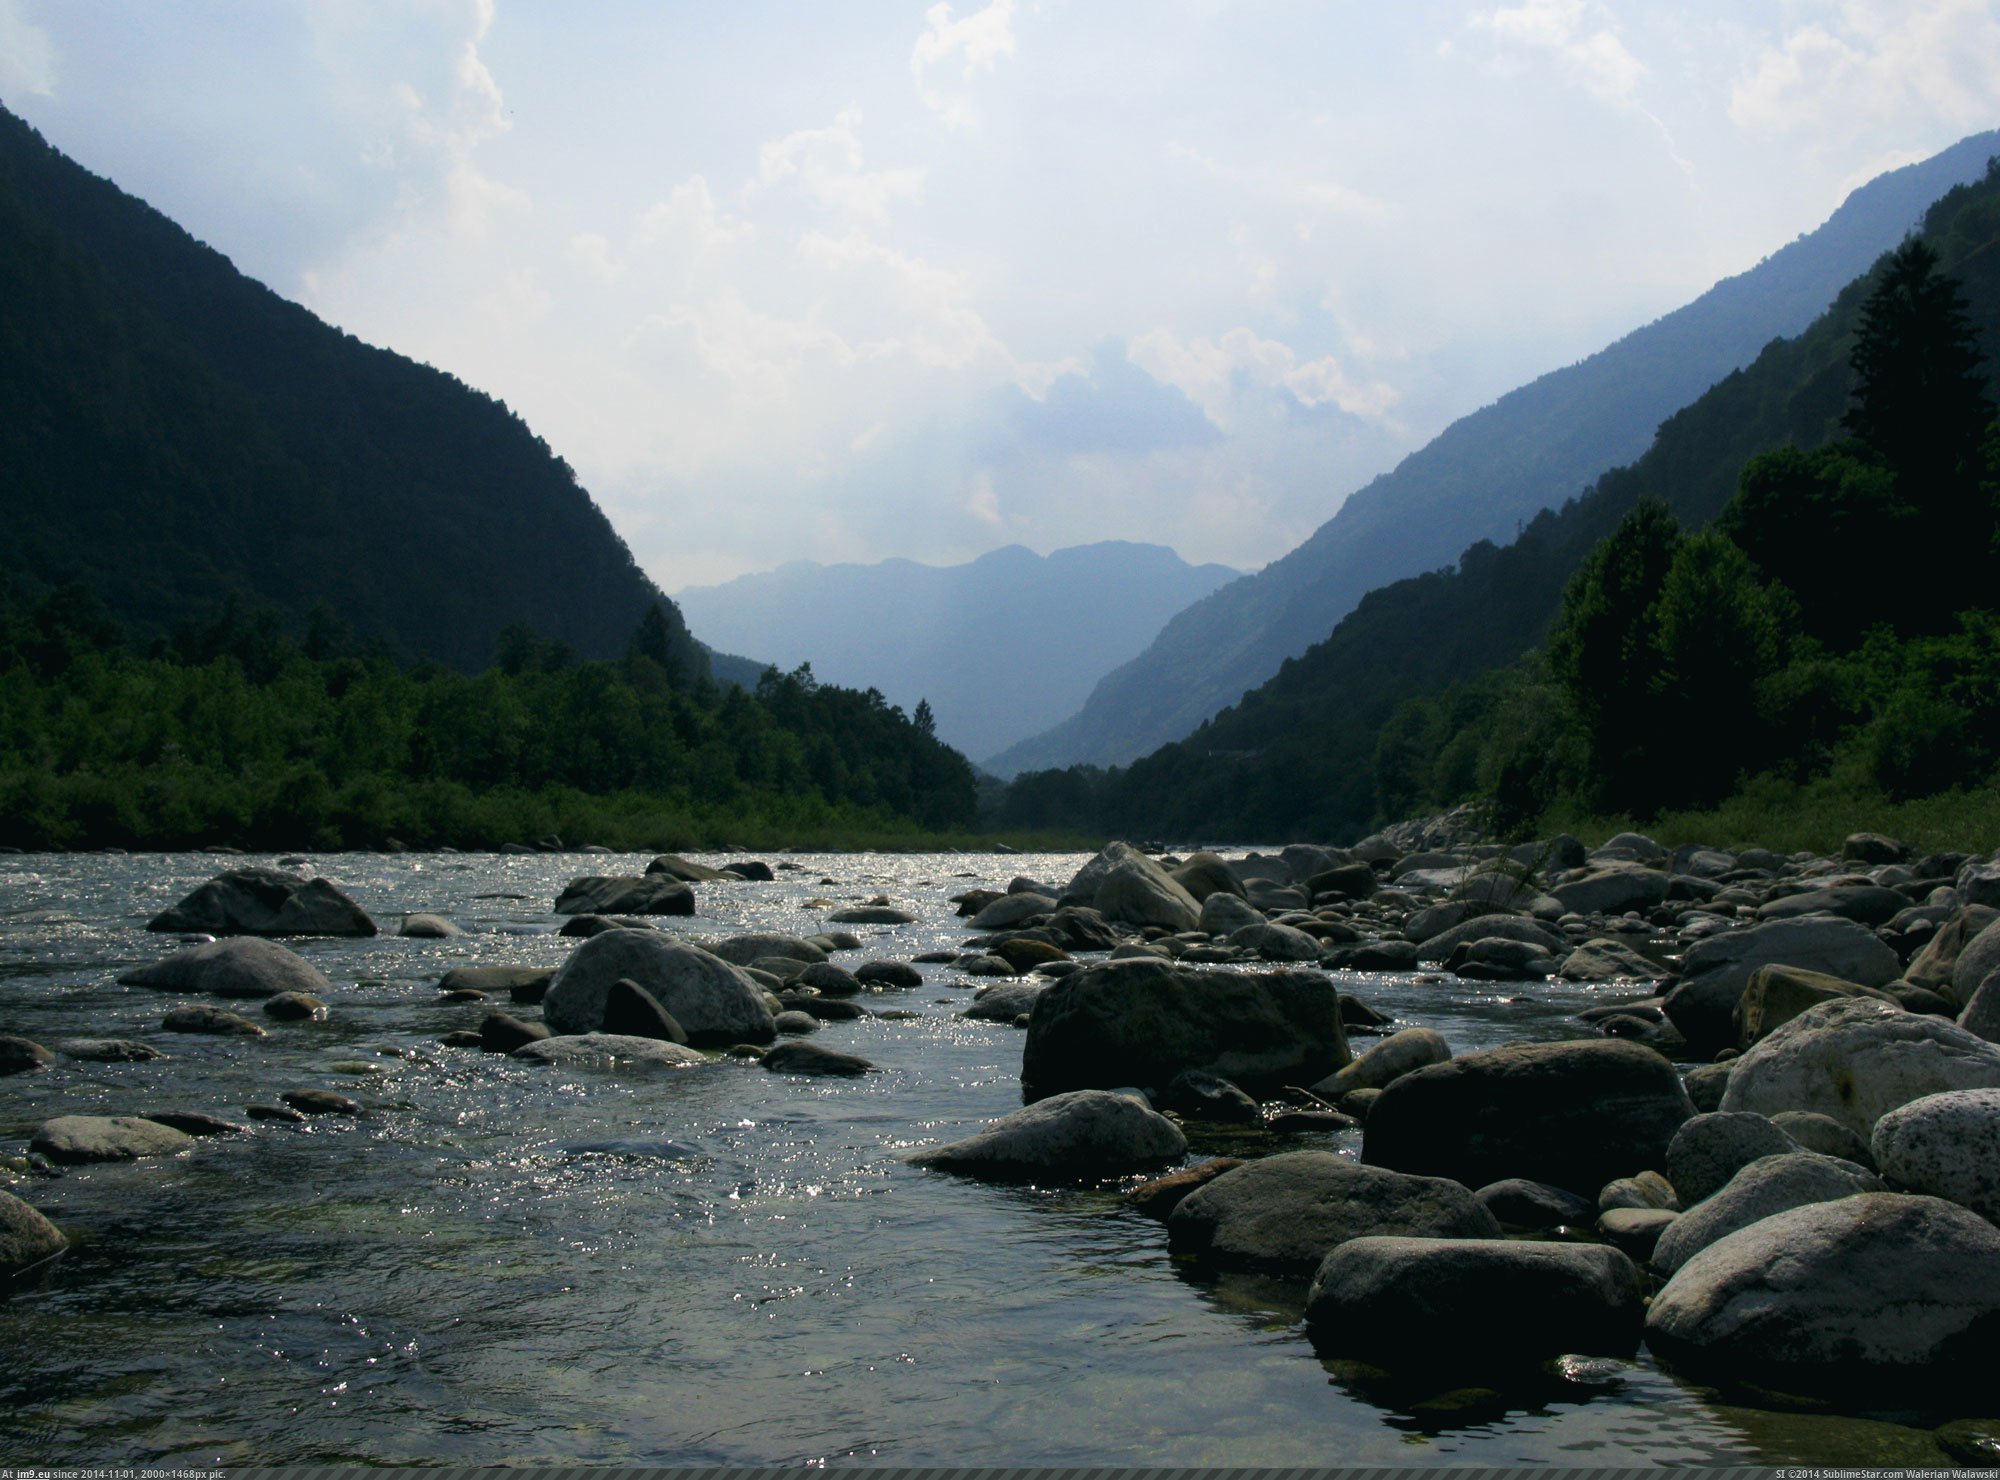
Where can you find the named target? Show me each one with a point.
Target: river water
(500, 1263)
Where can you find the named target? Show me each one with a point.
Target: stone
(214, 1020)
(108, 1051)
(26, 1237)
(295, 1007)
(754, 945)
(1945, 1145)
(73, 1139)
(1636, 1232)
(1010, 910)
(1347, 881)
(871, 914)
(826, 1009)
(1822, 1133)
(1881, 1291)
(1079, 928)
(1223, 914)
(676, 867)
(1083, 885)
(1867, 847)
(197, 1123)
(1575, 1114)
(829, 980)
(1600, 960)
(1646, 1190)
(429, 927)
(754, 870)
(1002, 1002)
(1981, 1017)
(1710, 1149)
(1025, 955)
(1715, 971)
(634, 1012)
(813, 1058)
(1857, 1060)
(284, 1114)
(1081, 1135)
(1383, 955)
(1870, 904)
(625, 894)
(1457, 1301)
(1142, 1021)
(320, 1102)
(1495, 958)
(712, 1000)
(1979, 960)
(1195, 1095)
(1205, 874)
(791, 1020)
(1140, 892)
(1520, 1203)
(1284, 1213)
(1768, 1185)
(1777, 994)
(1612, 890)
(502, 1033)
(23, 1056)
(1388, 1061)
(888, 974)
(513, 980)
(1973, 1443)
(263, 901)
(581, 927)
(1706, 1084)
(1935, 965)
(1159, 1197)
(1276, 943)
(244, 967)
(608, 1051)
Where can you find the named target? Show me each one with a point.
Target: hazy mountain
(1000, 646)
(175, 432)
(1484, 476)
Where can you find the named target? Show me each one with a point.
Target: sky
(849, 281)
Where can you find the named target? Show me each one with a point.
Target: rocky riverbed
(1470, 1155)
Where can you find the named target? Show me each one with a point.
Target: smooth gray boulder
(1269, 942)
(1715, 971)
(244, 967)
(1286, 1212)
(513, 980)
(1612, 890)
(871, 914)
(1488, 927)
(1856, 1060)
(1082, 1135)
(1143, 1020)
(1601, 960)
(1392, 1058)
(1139, 892)
(1880, 1291)
(625, 894)
(1222, 914)
(1576, 1114)
(1870, 904)
(1979, 960)
(1824, 1134)
(1768, 1185)
(108, 1051)
(87, 1138)
(216, 1021)
(754, 945)
(26, 1237)
(264, 901)
(1205, 874)
(1710, 1149)
(1935, 964)
(1012, 909)
(295, 1007)
(1002, 1002)
(1777, 994)
(1518, 1202)
(1082, 887)
(888, 974)
(713, 1001)
(814, 1059)
(1452, 1302)
(606, 1051)
(424, 926)
(1945, 1145)
(1981, 1017)
(631, 1010)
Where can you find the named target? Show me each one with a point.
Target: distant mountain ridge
(172, 432)
(1484, 476)
(1000, 646)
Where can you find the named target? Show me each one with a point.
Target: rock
(197, 1123)
(282, 1113)
(1082, 888)
(1612, 890)
(1159, 1197)
(26, 1237)
(1871, 848)
(22, 1056)
(625, 894)
(232, 968)
(1205, 875)
(1868, 903)
(108, 1051)
(263, 901)
(713, 1001)
(1519, 1203)
(1710, 1149)
(1078, 928)
(206, 1019)
(1223, 914)
(1284, 1213)
(1498, 959)
(1142, 1021)
(812, 1058)
(1706, 1085)
(1450, 1301)
(1025, 955)
(295, 1007)
(1715, 971)
(871, 914)
(1880, 1290)
(87, 1138)
(1981, 1017)
(608, 1051)
(1979, 960)
(1276, 943)
(754, 945)
(582, 927)
(1426, 925)
(751, 869)
(1573, 1114)
(1636, 1232)
(1945, 1145)
(1936, 964)
(1388, 1061)
(676, 867)
(1010, 910)
(1601, 960)
(461, 1038)
(791, 1020)
(1140, 892)
(1768, 1185)
(634, 1012)
(829, 980)
(1383, 955)
(320, 1102)
(1002, 1002)
(888, 974)
(429, 927)
(1856, 1060)
(500, 1033)
(1347, 881)
(1822, 1133)
(1646, 1190)
(513, 980)
(1196, 1095)
(1082, 1135)
(1777, 994)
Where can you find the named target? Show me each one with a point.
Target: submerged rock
(87, 1138)
(814, 1058)
(26, 1237)
(263, 901)
(607, 1051)
(625, 894)
(1083, 1135)
(232, 968)
(212, 1020)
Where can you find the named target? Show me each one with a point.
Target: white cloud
(826, 165)
(27, 58)
(1213, 373)
(982, 502)
(982, 37)
(1597, 58)
(1310, 197)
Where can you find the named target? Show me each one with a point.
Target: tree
(924, 720)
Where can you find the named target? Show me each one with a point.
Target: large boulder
(606, 1051)
(1083, 1135)
(1451, 1302)
(1224, 914)
(1601, 960)
(1768, 1185)
(1398, 1054)
(1871, 904)
(1140, 892)
(86, 1138)
(1285, 1213)
(264, 901)
(1143, 1020)
(1879, 1291)
(1272, 942)
(1716, 970)
(1575, 1114)
(754, 945)
(1612, 890)
(1082, 887)
(625, 894)
(23, 1056)
(1488, 927)
(688, 872)
(26, 1237)
(1205, 874)
(246, 967)
(1947, 1146)
(1013, 909)
(713, 1001)
(1856, 1060)
(1710, 1149)
(1935, 965)
(1979, 960)
(1777, 994)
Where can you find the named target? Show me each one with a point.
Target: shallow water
(503, 1263)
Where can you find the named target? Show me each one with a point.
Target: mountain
(1303, 754)
(1484, 476)
(175, 433)
(1000, 646)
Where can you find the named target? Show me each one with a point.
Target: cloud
(1217, 373)
(1111, 406)
(982, 502)
(27, 57)
(1312, 197)
(1596, 58)
(982, 38)
(1863, 64)
(826, 165)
